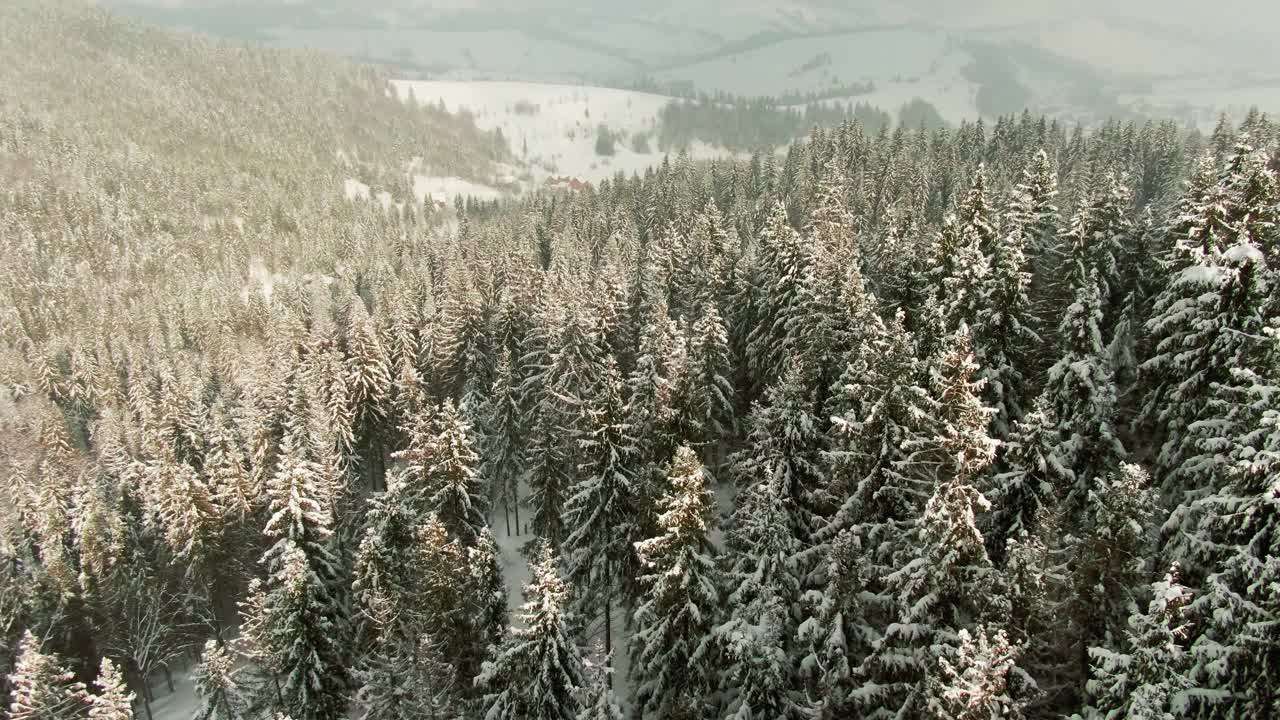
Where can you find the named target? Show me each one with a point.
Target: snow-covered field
(552, 129)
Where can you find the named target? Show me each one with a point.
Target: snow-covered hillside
(553, 129)
(815, 64)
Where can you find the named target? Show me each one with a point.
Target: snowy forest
(961, 423)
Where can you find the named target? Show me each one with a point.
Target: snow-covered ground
(445, 189)
(181, 704)
(552, 129)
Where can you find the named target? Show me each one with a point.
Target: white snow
(560, 134)
(355, 190)
(1200, 275)
(445, 189)
(181, 704)
(1243, 252)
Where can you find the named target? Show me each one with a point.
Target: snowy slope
(780, 68)
(491, 53)
(556, 135)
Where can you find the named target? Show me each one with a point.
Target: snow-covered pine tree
(1151, 677)
(368, 381)
(710, 396)
(882, 416)
(1101, 244)
(1106, 565)
(485, 602)
(782, 261)
(963, 442)
(468, 319)
(225, 473)
(840, 624)
(946, 587)
(538, 674)
(1080, 393)
(601, 703)
(1237, 542)
(456, 493)
(574, 373)
(217, 685)
(650, 397)
(407, 683)
(671, 665)
(601, 509)
(974, 682)
(1032, 207)
(963, 274)
(835, 314)
(896, 265)
(713, 248)
(763, 592)
(947, 583)
(307, 626)
(41, 688)
(1004, 335)
(1182, 326)
(503, 436)
(1034, 625)
(1026, 493)
(113, 701)
(784, 447)
(1228, 415)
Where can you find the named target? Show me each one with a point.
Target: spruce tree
(1004, 333)
(41, 688)
(113, 701)
(784, 447)
(975, 680)
(538, 673)
(782, 263)
(671, 665)
(601, 704)
(1151, 677)
(306, 624)
(1080, 394)
(947, 582)
(217, 686)
(710, 397)
(457, 495)
(763, 592)
(1235, 546)
(1106, 566)
(413, 683)
(602, 506)
(503, 436)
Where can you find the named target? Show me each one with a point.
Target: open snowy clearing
(553, 129)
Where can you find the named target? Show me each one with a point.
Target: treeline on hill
(992, 414)
(231, 122)
(743, 125)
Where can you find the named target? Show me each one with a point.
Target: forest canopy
(918, 422)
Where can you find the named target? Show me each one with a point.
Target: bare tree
(150, 628)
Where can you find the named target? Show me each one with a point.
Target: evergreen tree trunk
(608, 625)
